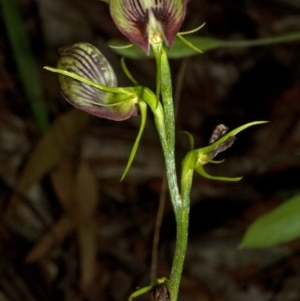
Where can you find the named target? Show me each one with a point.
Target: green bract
(85, 61)
(148, 21)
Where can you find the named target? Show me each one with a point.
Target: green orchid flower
(146, 22)
(219, 142)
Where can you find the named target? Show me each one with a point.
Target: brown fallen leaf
(85, 193)
(77, 191)
(86, 196)
(54, 146)
(59, 231)
(87, 243)
(62, 179)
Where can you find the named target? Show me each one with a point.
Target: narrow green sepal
(143, 109)
(188, 43)
(189, 32)
(84, 80)
(126, 46)
(232, 133)
(200, 170)
(217, 162)
(191, 138)
(127, 72)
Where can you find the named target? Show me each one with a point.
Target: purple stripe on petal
(132, 18)
(87, 61)
(170, 13)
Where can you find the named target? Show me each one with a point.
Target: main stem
(182, 221)
(181, 214)
(167, 137)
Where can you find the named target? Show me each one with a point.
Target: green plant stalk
(169, 122)
(182, 221)
(181, 209)
(27, 68)
(165, 82)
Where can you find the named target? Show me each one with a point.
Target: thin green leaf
(279, 226)
(25, 62)
(181, 50)
(206, 44)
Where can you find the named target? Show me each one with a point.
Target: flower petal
(133, 17)
(170, 13)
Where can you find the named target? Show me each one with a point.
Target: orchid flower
(219, 141)
(146, 22)
(98, 93)
(88, 82)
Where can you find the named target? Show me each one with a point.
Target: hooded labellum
(143, 21)
(87, 61)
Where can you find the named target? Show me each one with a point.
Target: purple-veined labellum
(87, 61)
(218, 132)
(161, 293)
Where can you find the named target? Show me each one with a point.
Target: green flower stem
(182, 222)
(165, 82)
(167, 136)
(181, 211)
(182, 230)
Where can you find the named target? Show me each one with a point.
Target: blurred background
(70, 230)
